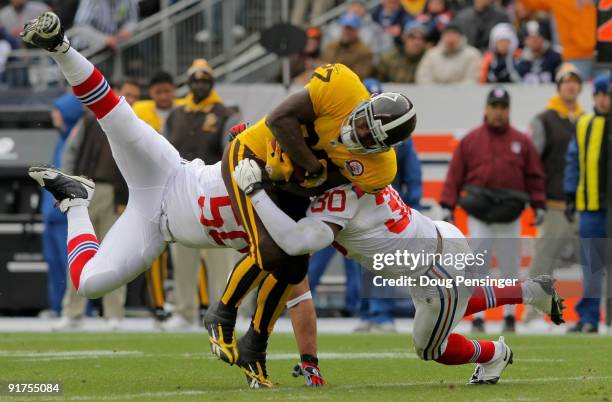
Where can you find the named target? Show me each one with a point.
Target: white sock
(78, 221)
(75, 67)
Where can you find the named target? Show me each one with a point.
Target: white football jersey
(374, 224)
(199, 209)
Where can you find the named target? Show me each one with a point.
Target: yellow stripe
(583, 124)
(159, 297)
(266, 287)
(280, 308)
(237, 274)
(593, 153)
(203, 285)
(251, 214)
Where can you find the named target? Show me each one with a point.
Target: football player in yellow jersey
(335, 132)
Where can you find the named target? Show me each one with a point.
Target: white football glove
(248, 176)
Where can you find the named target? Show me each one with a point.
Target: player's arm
(284, 122)
(295, 238)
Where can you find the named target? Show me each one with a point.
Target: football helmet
(377, 124)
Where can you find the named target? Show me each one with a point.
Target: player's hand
(312, 374)
(278, 164)
(248, 176)
(315, 180)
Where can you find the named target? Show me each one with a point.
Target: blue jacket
(71, 109)
(408, 181)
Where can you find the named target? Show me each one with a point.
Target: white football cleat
(177, 323)
(540, 293)
(489, 373)
(68, 190)
(46, 32)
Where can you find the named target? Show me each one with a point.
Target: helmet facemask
(361, 133)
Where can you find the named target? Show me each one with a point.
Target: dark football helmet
(377, 124)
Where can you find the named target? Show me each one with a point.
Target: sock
(88, 84)
(82, 242)
(245, 276)
(486, 297)
(460, 350)
(271, 301)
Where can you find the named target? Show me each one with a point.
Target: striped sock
(82, 243)
(460, 350)
(486, 297)
(87, 82)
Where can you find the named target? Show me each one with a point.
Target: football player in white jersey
(366, 226)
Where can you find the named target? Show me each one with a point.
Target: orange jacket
(576, 25)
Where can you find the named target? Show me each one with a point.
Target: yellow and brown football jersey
(334, 91)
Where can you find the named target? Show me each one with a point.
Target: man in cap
(477, 174)
(400, 64)
(586, 186)
(349, 49)
(551, 132)
(198, 128)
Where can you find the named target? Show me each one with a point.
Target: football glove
(247, 175)
(278, 164)
(315, 180)
(312, 374)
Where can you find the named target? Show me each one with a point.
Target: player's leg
(304, 321)
(247, 274)
(433, 322)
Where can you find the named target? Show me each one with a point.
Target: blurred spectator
(586, 185)
(65, 9)
(494, 200)
(155, 112)
(303, 64)
(408, 181)
(66, 112)
(414, 7)
(199, 129)
(104, 23)
(392, 17)
(349, 49)
(300, 8)
(14, 16)
(539, 61)
(7, 44)
(452, 60)
(88, 153)
(400, 64)
(162, 92)
(477, 21)
(436, 16)
(499, 64)
(370, 33)
(551, 132)
(576, 22)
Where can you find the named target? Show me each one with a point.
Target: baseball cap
(200, 67)
(453, 26)
(412, 26)
(498, 95)
(600, 83)
(538, 28)
(350, 20)
(567, 69)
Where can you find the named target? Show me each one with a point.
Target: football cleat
(489, 373)
(221, 336)
(46, 32)
(540, 293)
(312, 374)
(68, 190)
(253, 364)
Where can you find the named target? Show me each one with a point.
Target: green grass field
(178, 367)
